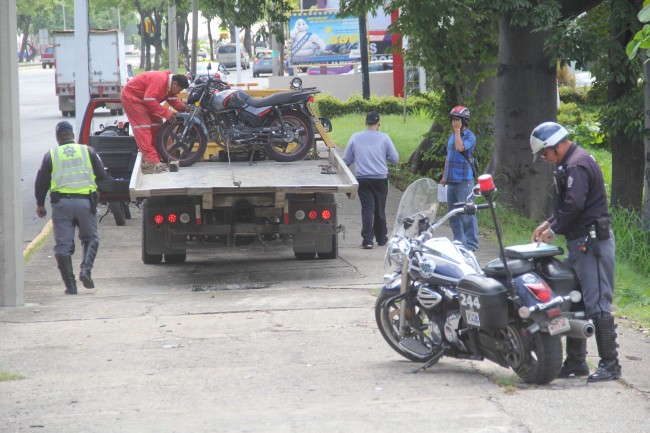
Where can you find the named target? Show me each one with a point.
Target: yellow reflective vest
(72, 170)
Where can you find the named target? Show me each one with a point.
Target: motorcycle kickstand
(429, 363)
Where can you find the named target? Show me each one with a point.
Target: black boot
(89, 254)
(576, 355)
(67, 274)
(608, 367)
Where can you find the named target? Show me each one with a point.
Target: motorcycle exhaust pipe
(580, 329)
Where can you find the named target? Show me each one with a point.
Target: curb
(38, 239)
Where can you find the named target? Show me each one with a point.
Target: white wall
(341, 86)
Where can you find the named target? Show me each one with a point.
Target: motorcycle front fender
(184, 117)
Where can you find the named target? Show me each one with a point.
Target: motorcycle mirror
(209, 66)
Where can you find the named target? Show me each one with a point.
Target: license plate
(559, 325)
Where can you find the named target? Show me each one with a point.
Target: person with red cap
(141, 100)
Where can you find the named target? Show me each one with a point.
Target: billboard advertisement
(318, 36)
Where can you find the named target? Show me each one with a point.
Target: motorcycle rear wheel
(298, 145)
(171, 148)
(387, 317)
(536, 359)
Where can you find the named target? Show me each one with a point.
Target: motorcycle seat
(495, 268)
(267, 101)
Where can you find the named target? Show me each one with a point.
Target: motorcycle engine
(451, 329)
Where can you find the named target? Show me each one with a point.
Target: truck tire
(170, 149)
(175, 258)
(335, 250)
(304, 256)
(148, 259)
(303, 137)
(118, 212)
(51, 65)
(44, 65)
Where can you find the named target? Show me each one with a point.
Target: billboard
(318, 36)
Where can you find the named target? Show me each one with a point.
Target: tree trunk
(627, 153)
(646, 97)
(526, 95)
(158, 16)
(23, 45)
(210, 41)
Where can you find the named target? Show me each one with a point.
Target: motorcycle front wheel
(298, 139)
(173, 146)
(537, 358)
(387, 312)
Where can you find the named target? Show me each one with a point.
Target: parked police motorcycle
(437, 301)
(280, 125)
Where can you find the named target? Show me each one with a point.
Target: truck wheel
(301, 137)
(175, 258)
(113, 112)
(304, 256)
(127, 210)
(148, 259)
(51, 65)
(335, 250)
(120, 111)
(171, 146)
(44, 66)
(118, 212)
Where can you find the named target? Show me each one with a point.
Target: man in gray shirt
(369, 150)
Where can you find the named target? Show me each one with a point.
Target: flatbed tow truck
(229, 204)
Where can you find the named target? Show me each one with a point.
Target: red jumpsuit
(141, 100)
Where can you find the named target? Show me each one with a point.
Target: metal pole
(363, 43)
(195, 32)
(172, 38)
(82, 61)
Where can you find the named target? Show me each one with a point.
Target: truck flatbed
(327, 174)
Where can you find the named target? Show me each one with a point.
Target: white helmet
(548, 134)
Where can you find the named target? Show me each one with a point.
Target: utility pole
(11, 208)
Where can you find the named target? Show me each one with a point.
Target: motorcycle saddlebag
(559, 276)
(483, 302)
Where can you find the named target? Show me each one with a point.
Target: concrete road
(252, 340)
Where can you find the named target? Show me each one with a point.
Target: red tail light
(158, 219)
(326, 214)
(312, 215)
(540, 290)
(311, 99)
(172, 218)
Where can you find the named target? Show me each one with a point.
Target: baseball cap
(372, 118)
(64, 126)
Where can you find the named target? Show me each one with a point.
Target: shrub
(329, 106)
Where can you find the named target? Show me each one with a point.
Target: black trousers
(372, 195)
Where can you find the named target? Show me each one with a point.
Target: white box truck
(106, 67)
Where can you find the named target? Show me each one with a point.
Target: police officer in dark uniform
(69, 173)
(581, 216)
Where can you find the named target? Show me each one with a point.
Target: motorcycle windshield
(419, 199)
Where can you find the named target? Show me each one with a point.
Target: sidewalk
(254, 340)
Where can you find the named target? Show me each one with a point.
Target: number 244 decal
(470, 301)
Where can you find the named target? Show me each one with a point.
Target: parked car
(260, 47)
(377, 66)
(47, 57)
(202, 52)
(263, 63)
(226, 55)
(216, 71)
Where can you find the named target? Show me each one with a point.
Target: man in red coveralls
(141, 100)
